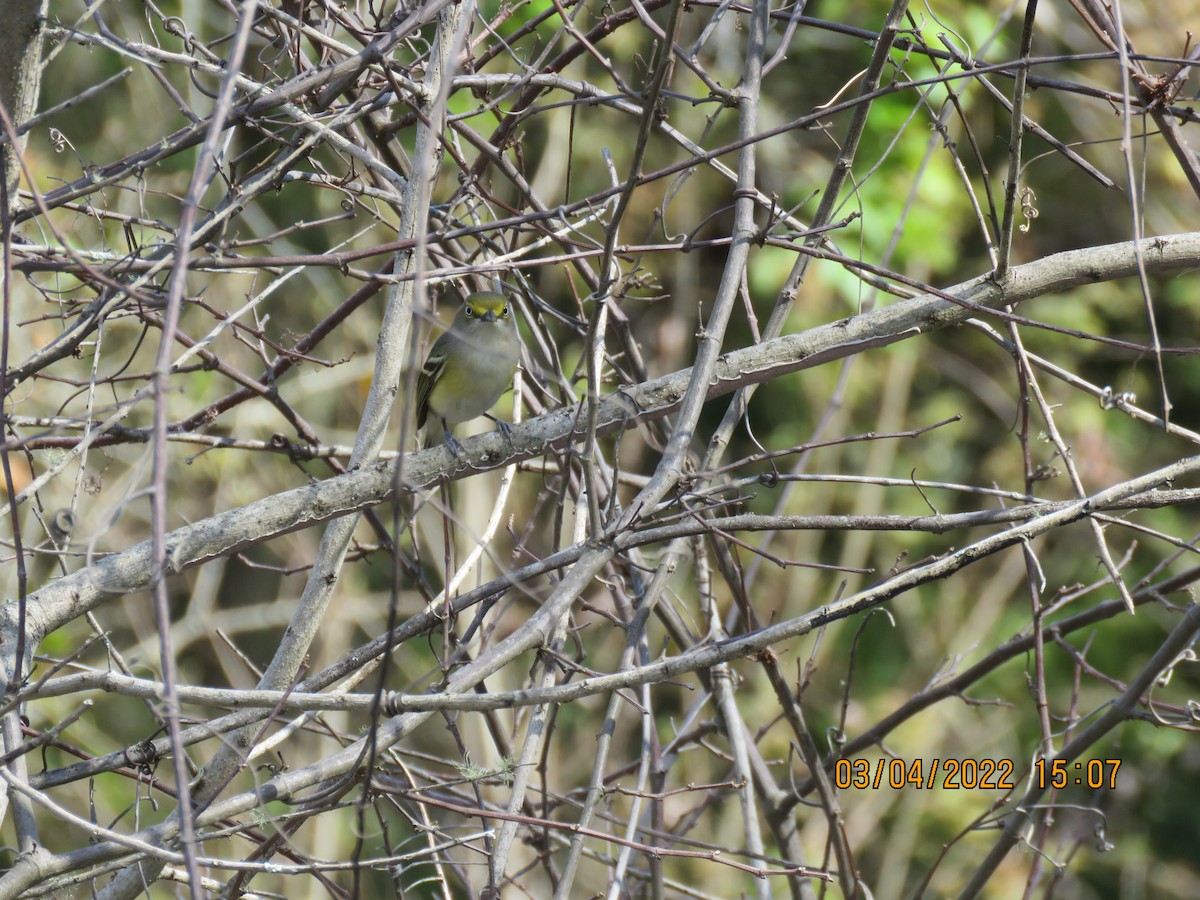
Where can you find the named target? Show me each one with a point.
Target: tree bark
(20, 77)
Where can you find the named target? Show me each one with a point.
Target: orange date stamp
(972, 774)
(948, 774)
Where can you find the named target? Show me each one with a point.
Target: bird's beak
(489, 316)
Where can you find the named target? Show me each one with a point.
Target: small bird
(469, 367)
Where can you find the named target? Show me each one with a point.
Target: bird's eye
(504, 312)
(470, 312)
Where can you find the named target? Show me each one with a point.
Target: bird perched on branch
(469, 367)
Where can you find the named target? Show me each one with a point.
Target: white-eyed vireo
(469, 367)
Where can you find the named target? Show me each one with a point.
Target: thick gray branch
(228, 532)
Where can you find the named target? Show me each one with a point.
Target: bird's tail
(425, 435)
